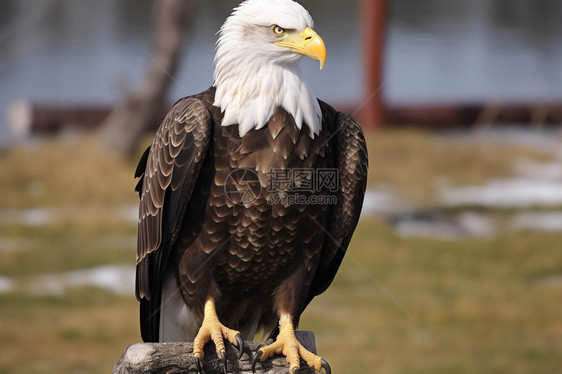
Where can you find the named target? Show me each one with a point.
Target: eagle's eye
(278, 30)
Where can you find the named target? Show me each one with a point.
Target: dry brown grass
(473, 306)
(83, 332)
(71, 173)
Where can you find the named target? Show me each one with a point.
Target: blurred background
(456, 266)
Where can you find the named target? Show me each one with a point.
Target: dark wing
(168, 171)
(352, 164)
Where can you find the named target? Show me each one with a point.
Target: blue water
(68, 51)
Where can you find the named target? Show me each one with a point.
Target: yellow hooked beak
(308, 43)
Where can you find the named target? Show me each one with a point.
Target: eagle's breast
(256, 176)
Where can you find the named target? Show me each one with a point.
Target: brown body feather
(256, 258)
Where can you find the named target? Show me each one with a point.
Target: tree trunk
(138, 110)
(169, 358)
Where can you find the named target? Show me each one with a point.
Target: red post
(373, 17)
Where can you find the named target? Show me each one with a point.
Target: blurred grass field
(398, 305)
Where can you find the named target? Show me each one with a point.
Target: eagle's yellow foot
(212, 329)
(288, 346)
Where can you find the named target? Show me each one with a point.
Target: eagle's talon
(256, 358)
(224, 362)
(198, 363)
(326, 367)
(287, 345)
(213, 330)
(240, 346)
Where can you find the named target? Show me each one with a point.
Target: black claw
(257, 356)
(224, 362)
(296, 371)
(326, 367)
(240, 346)
(198, 363)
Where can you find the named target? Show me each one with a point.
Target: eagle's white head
(256, 67)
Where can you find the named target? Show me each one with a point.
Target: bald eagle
(249, 194)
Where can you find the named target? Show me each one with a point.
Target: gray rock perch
(170, 358)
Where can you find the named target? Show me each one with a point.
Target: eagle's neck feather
(249, 91)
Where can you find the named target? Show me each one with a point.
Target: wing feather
(172, 167)
(352, 164)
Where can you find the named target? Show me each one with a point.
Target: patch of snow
(544, 141)
(382, 200)
(118, 279)
(427, 229)
(538, 221)
(28, 217)
(476, 225)
(6, 284)
(551, 171)
(129, 213)
(552, 281)
(505, 193)
(48, 215)
(439, 226)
